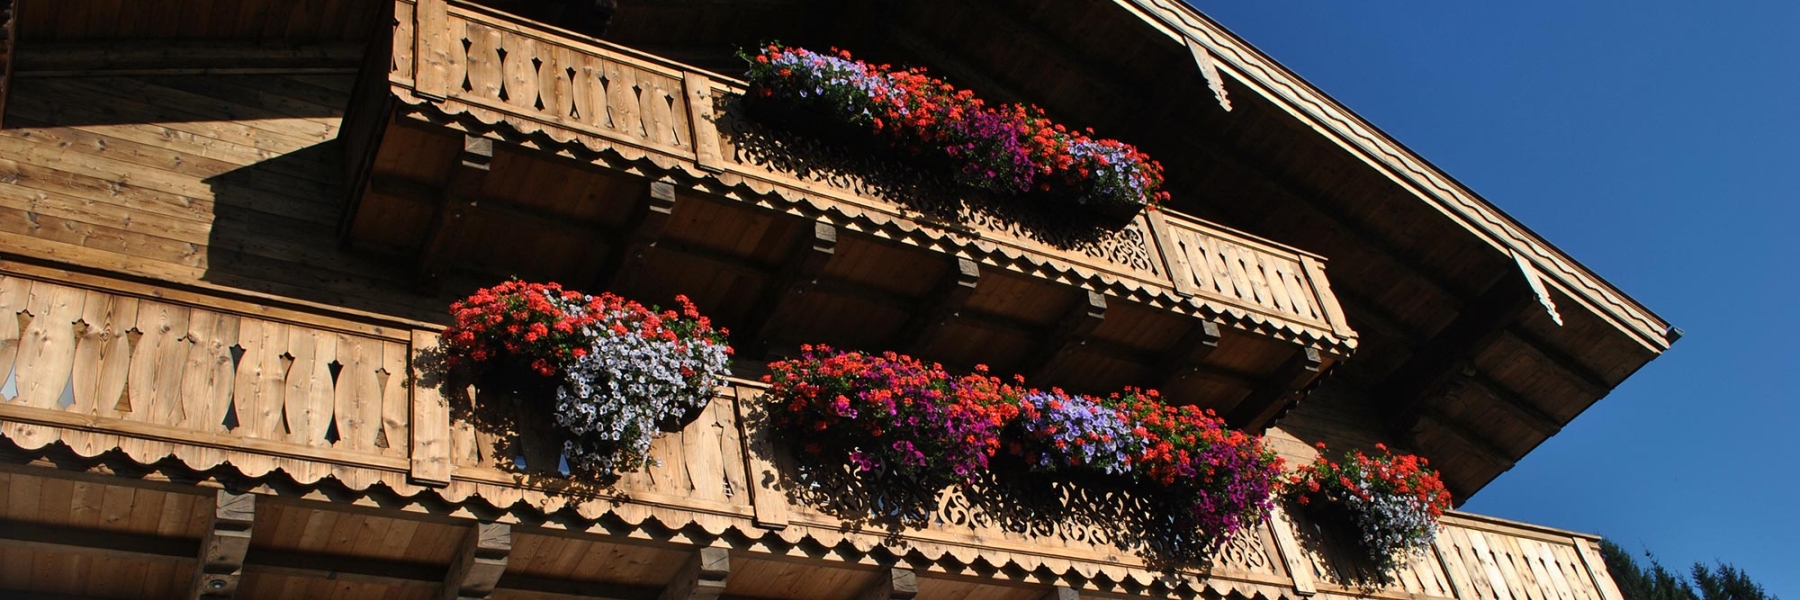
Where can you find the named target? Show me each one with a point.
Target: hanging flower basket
(1010, 149)
(602, 375)
(1388, 505)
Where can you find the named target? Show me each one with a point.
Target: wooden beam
(702, 578)
(1568, 367)
(149, 57)
(644, 228)
(1067, 334)
(945, 302)
(1480, 446)
(479, 562)
(489, 206)
(23, 535)
(775, 311)
(891, 584)
(1257, 410)
(583, 590)
(1519, 409)
(1420, 380)
(1062, 592)
(1188, 355)
(223, 549)
(460, 191)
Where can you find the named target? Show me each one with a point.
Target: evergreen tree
(1720, 582)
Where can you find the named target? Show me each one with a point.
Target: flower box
(1006, 149)
(1387, 506)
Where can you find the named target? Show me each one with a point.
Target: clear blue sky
(1655, 140)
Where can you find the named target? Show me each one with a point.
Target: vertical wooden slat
(404, 26)
(590, 91)
(396, 407)
(15, 293)
(653, 105)
(622, 99)
(1454, 570)
(554, 86)
(430, 420)
(207, 381)
(1174, 256)
(357, 402)
(262, 378)
(47, 345)
(1327, 301)
(310, 392)
(700, 119)
(483, 64)
(431, 48)
(521, 78)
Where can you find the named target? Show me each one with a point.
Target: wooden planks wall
(220, 181)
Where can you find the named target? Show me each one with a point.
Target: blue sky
(1654, 140)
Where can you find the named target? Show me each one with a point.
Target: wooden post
(1255, 411)
(1324, 298)
(479, 562)
(1190, 352)
(952, 292)
(774, 310)
(1297, 568)
(1596, 569)
(702, 578)
(222, 550)
(460, 193)
(431, 49)
(646, 226)
(768, 504)
(1068, 333)
(892, 584)
(707, 153)
(430, 420)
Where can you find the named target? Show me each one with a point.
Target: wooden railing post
(700, 117)
(1322, 294)
(430, 420)
(1297, 569)
(431, 49)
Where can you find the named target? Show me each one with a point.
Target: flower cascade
(1394, 501)
(891, 414)
(894, 415)
(621, 369)
(1011, 149)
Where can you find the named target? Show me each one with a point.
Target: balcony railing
(572, 95)
(102, 366)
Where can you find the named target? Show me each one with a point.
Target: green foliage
(1718, 582)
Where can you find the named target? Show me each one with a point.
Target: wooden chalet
(228, 228)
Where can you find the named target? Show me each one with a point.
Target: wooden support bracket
(1062, 592)
(1186, 358)
(1257, 410)
(703, 577)
(644, 229)
(892, 584)
(222, 550)
(1421, 379)
(1068, 334)
(947, 299)
(1470, 380)
(460, 193)
(479, 562)
(775, 312)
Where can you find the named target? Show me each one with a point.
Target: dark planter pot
(530, 398)
(676, 423)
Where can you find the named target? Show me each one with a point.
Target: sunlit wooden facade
(228, 230)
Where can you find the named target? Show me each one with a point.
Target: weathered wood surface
(99, 370)
(590, 97)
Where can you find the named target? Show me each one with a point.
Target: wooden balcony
(143, 417)
(487, 146)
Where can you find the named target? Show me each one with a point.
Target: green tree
(1656, 582)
